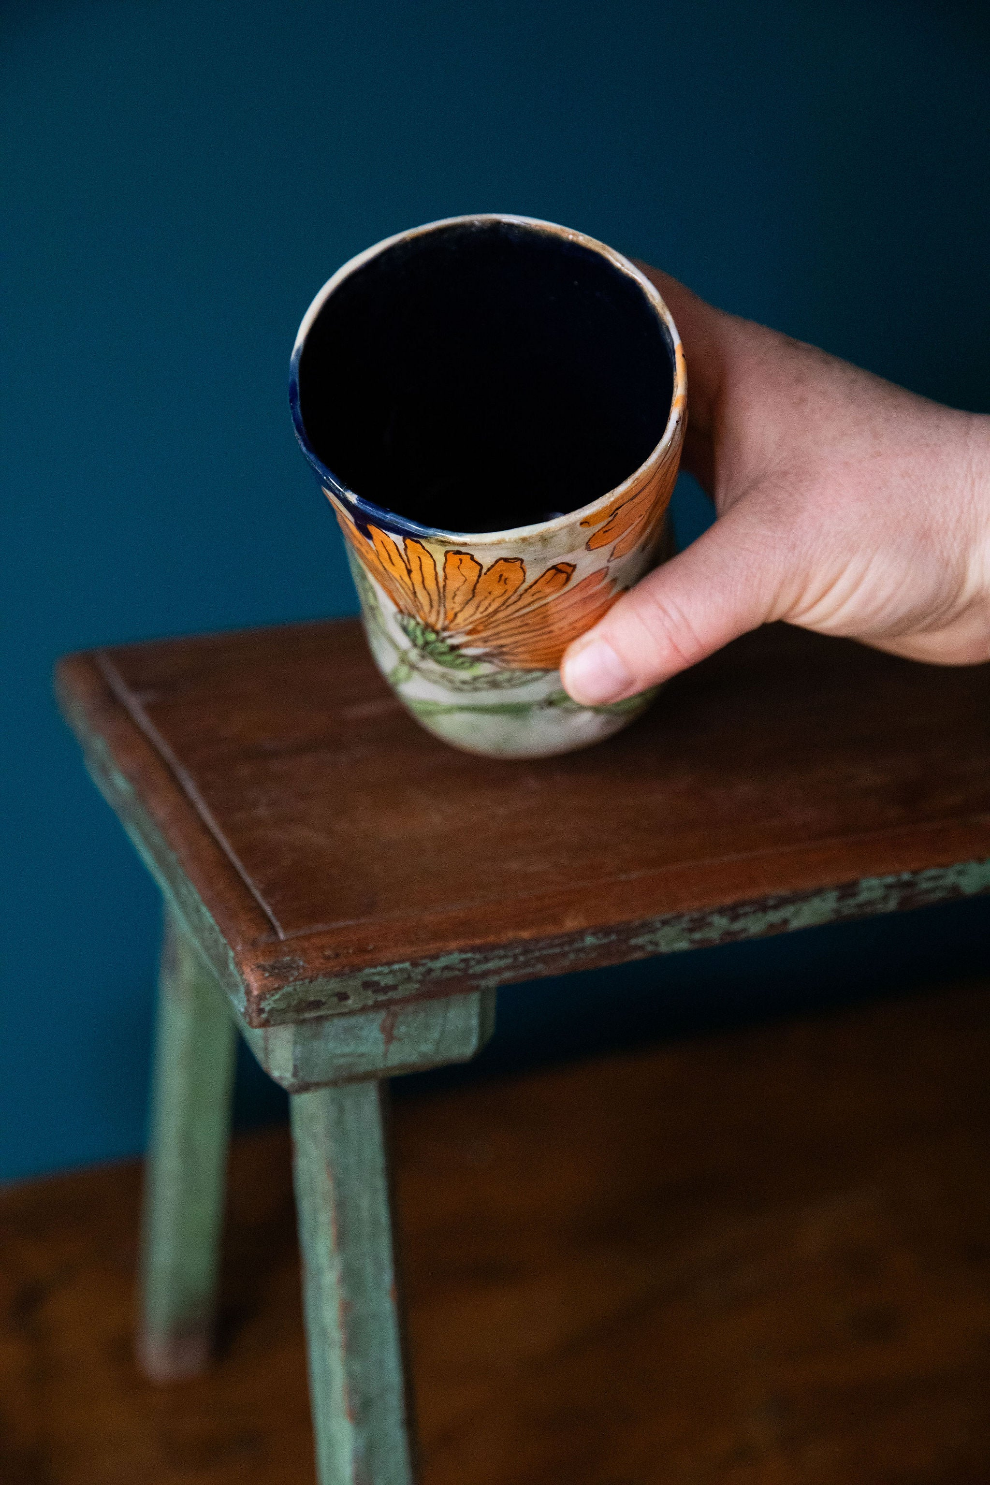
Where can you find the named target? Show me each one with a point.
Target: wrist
(978, 488)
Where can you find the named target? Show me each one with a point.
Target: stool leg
(185, 1176)
(353, 1325)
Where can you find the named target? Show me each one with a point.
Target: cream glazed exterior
(469, 628)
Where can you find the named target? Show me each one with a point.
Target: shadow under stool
(348, 893)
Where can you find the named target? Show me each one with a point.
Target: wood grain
(329, 854)
(756, 1259)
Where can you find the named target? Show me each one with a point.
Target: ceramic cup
(494, 407)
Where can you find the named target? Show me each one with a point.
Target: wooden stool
(358, 891)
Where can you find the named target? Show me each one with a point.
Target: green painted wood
(514, 961)
(380, 1043)
(187, 1163)
(353, 1325)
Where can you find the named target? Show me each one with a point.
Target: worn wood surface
(185, 1189)
(758, 1259)
(313, 1053)
(357, 1384)
(328, 854)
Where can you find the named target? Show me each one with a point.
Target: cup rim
(391, 520)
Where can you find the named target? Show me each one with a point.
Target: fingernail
(595, 675)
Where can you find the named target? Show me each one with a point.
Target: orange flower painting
(491, 612)
(634, 520)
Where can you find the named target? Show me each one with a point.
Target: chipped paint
(353, 1332)
(318, 1052)
(185, 1178)
(488, 966)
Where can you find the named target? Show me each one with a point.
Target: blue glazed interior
(482, 376)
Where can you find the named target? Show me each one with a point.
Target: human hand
(845, 504)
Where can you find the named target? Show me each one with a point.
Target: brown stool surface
(331, 853)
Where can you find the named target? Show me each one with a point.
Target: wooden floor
(763, 1257)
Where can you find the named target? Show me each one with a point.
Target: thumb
(724, 584)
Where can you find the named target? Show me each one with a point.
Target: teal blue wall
(178, 180)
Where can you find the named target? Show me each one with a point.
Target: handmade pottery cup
(495, 408)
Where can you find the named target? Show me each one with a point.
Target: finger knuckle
(669, 628)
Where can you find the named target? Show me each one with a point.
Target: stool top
(326, 853)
